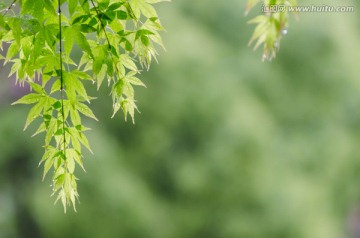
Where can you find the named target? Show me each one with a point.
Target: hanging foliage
(272, 25)
(116, 38)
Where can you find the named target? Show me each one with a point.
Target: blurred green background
(226, 146)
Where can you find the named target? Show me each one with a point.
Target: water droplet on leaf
(276, 44)
(264, 57)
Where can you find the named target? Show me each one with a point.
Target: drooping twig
(9, 8)
(61, 79)
(106, 36)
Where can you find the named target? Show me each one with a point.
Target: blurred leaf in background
(225, 147)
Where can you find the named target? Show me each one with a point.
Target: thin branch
(9, 8)
(61, 80)
(106, 36)
(101, 23)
